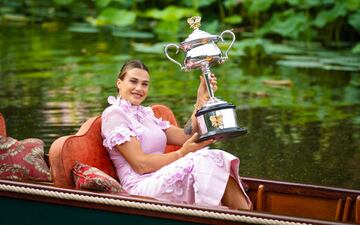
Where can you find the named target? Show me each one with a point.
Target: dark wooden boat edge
(140, 206)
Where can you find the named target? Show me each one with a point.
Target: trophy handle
(232, 42)
(171, 59)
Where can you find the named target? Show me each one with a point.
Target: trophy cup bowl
(217, 118)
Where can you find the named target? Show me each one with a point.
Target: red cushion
(91, 178)
(23, 160)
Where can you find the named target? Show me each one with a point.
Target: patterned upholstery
(22, 160)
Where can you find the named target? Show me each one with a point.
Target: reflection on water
(51, 82)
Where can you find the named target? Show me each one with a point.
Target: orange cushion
(84, 147)
(2, 126)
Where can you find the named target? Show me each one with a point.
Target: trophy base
(223, 134)
(217, 120)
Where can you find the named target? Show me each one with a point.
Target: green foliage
(229, 4)
(327, 16)
(197, 3)
(157, 48)
(170, 13)
(167, 30)
(352, 5)
(356, 48)
(287, 24)
(211, 27)
(168, 20)
(63, 2)
(258, 6)
(236, 19)
(82, 28)
(354, 20)
(307, 20)
(307, 4)
(102, 3)
(116, 17)
(126, 33)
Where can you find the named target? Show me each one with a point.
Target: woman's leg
(234, 197)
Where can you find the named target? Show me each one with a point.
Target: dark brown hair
(132, 64)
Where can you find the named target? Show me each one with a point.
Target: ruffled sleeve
(117, 127)
(163, 124)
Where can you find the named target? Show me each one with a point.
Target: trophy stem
(205, 68)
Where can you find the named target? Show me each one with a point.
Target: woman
(136, 140)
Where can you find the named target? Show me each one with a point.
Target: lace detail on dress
(163, 124)
(140, 112)
(118, 136)
(216, 156)
(175, 180)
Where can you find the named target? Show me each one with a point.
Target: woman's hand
(203, 94)
(192, 146)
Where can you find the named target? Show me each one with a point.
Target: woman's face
(135, 85)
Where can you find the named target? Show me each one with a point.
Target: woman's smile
(137, 95)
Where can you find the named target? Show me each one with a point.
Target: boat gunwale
(309, 190)
(144, 200)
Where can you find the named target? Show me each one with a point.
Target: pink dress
(198, 178)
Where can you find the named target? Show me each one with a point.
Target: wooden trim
(357, 210)
(301, 189)
(260, 198)
(339, 209)
(347, 209)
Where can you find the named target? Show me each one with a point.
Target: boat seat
(86, 147)
(2, 126)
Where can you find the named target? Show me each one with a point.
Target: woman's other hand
(203, 94)
(192, 146)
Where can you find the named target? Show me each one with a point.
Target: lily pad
(40, 74)
(133, 34)
(82, 28)
(114, 16)
(157, 48)
(341, 63)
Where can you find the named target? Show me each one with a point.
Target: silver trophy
(217, 118)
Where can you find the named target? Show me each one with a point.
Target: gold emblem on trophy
(217, 120)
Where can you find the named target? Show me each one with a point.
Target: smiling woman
(135, 85)
(136, 141)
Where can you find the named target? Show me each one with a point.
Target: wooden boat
(59, 202)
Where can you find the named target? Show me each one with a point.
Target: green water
(52, 80)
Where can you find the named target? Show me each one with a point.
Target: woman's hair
(132, 64)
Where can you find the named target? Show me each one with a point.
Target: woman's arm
(145, 163)
(178, 136)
